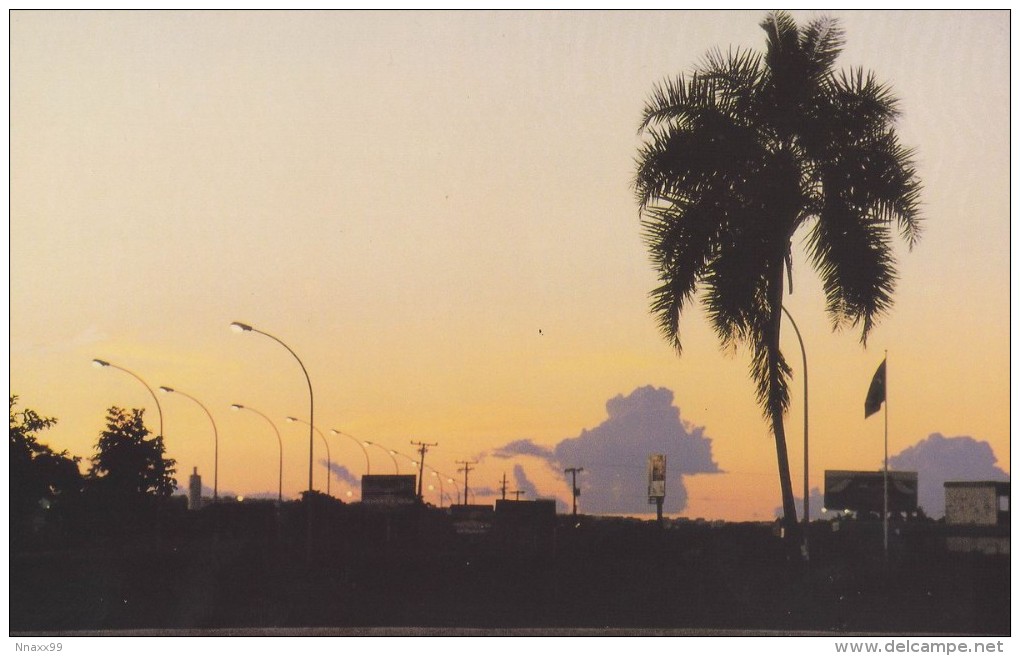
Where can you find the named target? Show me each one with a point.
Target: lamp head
(165, 389)
(100, 363)
(292, 419)
(236, 406)
(334, 431)
(239, 327)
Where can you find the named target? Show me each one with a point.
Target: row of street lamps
(312, 429)
(237, 326)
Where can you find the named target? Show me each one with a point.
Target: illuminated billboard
(862, 491)
(656, 477)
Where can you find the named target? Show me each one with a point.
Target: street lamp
(216, 439)
(803, 355)
(391, 454)
(368, 465)
(238, 406)
(329, 459)
(439, 477)
(237, 326)
(442, 494)
(103, 363)
(404, 455)
(440, 480)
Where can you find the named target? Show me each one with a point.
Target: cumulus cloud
(615, 453)
(938, 459)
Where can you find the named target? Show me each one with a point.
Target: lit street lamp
(404, 455)
(104, 363)
(432, 488)
(391, 454)
(329, 459)
(237, 326)
(237, 406)
(216, 439)
(368, 464)
(439, 478)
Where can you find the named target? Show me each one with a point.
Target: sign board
(656, 477)
(388, 490)
(863, 491)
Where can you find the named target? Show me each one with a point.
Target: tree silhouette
(41, 479)
(129, 464)
(741, 154)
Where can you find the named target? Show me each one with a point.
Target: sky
(435, 212)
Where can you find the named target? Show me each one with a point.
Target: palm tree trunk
(785, 484)
(776, 407)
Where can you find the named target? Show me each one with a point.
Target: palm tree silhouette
(742, 153)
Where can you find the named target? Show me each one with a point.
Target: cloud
(938, 459)
(524, 484)
(523, 448)
(344, 474)
(615, 453)
(478, 491)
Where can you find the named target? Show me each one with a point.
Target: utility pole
(467, 467)
(423, 448)
(502, 488)
(574, 490)
(517, 494)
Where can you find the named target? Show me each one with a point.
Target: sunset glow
(435, 211)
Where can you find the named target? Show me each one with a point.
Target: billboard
(656, 477)
(862, 491)
(388, 489)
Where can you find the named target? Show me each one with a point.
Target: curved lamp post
(439, 477)
(404, 455)
(238, 406)
(237, 326)
(216, 439)
(368, 464)
(803, 355)
(441, 493)
(391, 454)
(329, 459)
(103, 363)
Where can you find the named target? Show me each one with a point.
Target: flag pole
(885, 471)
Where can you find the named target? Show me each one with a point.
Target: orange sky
(407, 199)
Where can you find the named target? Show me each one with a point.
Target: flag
(876, 393)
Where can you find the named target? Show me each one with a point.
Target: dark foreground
(249, 567)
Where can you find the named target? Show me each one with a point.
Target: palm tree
(741, 154)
